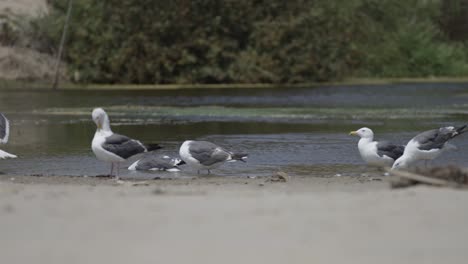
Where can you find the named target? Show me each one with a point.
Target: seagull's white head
(101, 119)
(401, 163)
(363, 133)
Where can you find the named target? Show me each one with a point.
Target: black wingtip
(181, 162)
(240, 156)
(151, 147)
(461, 129)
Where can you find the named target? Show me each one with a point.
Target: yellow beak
(353, 133)
(99, 125)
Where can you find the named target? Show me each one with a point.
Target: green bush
(244, 41)
(414, 47)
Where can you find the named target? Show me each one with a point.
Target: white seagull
(157, 162)
(376, 153)
(428, 145)
(4, 135)
(111, 147)
(206, 155)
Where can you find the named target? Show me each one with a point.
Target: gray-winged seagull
(206, 155)
(376, 153)
(157, 162)
(111, 147)
(428, 145)
(4, 135)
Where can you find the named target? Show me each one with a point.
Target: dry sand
(229, 220)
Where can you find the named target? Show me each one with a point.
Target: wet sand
(229, 220)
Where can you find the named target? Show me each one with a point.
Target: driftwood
(449, 176)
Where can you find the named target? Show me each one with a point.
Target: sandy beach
(229, 220)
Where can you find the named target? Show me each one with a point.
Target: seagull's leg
(112, 169)
(118, 170)
(198, 171)
(209, 172)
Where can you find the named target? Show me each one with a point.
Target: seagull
(4, 135)
(376, 153)
(428, 145)
(111, 147)
(206, 155)
(157, 162)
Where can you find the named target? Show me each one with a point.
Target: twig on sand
(420, 178)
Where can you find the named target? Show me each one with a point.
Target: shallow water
(300, 131)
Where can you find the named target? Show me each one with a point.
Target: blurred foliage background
(256, 41)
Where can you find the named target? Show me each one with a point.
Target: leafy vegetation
(260, 41)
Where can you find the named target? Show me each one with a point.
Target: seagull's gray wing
(123, 146)
(391, 150)
(208, 153)
(4, 128)
(436, 138)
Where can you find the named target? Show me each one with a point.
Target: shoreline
(294, 184)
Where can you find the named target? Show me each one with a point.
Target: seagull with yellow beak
(376, 153)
